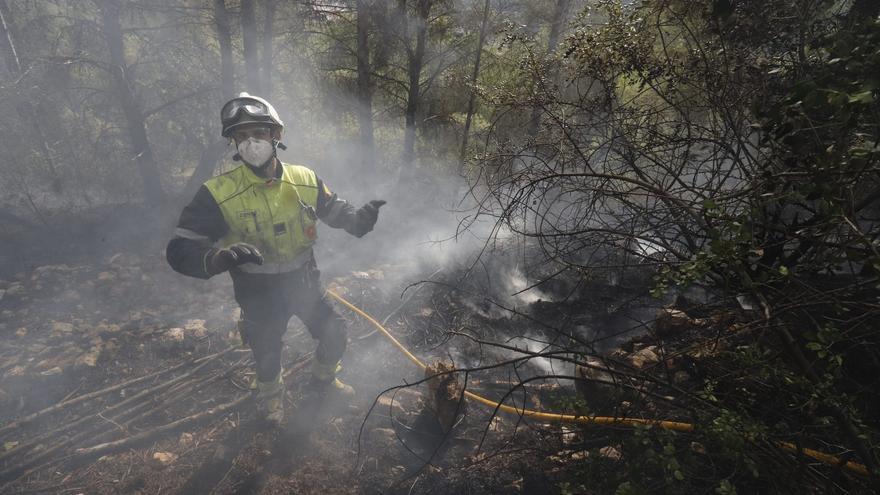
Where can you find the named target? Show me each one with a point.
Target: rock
(14, 289)
(161, 460)
(671, 321)
(737, 327)
(47, 271)
(52, 371)
(106, 277)
(610, 452)
(90, 357)
(124, 259)
(394, 404)
(14, 371)
(105, 329)
(186, 439)
(10, 361)
(2, 294)
(570, 435)
(644, 357)
(384, 437)
(37, 348)
(598, 396)
(515, 486)
(173, 335)
(196, 328)
(370, 274)
(61, 328)
(21, 332)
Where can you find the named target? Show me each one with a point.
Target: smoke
(534, 345)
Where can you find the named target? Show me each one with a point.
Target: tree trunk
(137, 128)
(224, 38)
(383, 23)
(365, 89)
(556, 25)
(268, 38)
(210, 157)
(250, 41)
(25, 108)
(472, 100)
(414, 70)
(559, 15)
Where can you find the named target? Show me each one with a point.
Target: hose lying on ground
(829, 459)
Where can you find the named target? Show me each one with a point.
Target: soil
(72, 329)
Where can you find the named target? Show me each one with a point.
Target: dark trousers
(267, 303)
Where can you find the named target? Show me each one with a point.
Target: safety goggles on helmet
(246, 109)
(233, 109)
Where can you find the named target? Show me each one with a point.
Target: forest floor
(183, 418)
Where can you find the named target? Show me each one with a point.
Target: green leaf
(865, 97)
(725, 488)
(783, 270)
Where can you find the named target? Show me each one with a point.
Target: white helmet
(245, 109)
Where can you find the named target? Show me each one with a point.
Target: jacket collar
(252, 178)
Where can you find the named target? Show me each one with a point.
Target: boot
(270, 400)
(325, 383)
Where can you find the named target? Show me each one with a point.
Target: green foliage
(731, 145)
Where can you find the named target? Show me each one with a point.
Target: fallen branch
(18, 423)
(114, 408)
(104, 448)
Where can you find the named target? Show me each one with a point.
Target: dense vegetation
(726, 144)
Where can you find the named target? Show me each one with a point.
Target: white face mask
(255, 152)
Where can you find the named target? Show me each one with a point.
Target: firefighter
(259, 223)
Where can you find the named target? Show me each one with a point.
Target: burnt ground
(71, 330)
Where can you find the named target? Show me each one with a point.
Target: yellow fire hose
(596, 420)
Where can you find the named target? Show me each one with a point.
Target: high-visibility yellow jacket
(278, 215)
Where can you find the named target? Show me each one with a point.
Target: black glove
(367, 216)
(237, 254)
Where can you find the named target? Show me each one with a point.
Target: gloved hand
(367, 216)
(237, 254)
(371, 209)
